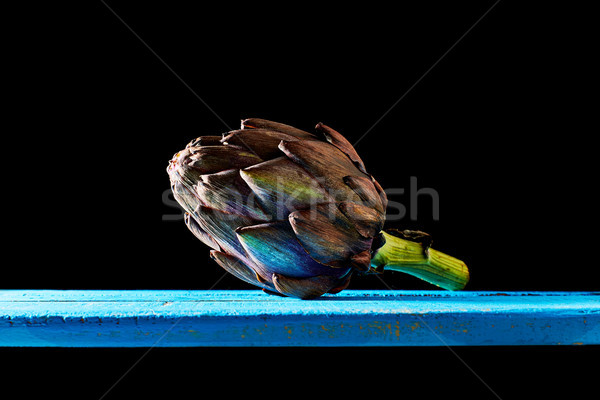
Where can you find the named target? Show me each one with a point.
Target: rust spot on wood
(415, 326)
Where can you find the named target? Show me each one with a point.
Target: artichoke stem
(432, 266)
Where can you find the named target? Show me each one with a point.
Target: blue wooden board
(142, 318)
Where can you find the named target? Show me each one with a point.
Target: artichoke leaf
(339, 141)
(220, 226)
(327, 234)
(262, 142)
(200, 233)
(274, 248)
(185, 195)
(326, 163)
(258, 123)
(239, 269)
(205, 141)
(226, 191)
(283, 187)
(367, 221)
(210, 159)
(366, 190)
(304, 288)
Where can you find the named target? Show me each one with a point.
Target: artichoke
(296, 213)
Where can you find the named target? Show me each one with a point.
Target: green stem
(408, 256)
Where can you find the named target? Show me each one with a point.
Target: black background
(501, 127)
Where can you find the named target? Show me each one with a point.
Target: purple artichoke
(296, 213)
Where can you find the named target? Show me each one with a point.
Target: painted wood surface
(142, 318)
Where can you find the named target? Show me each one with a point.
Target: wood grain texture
(142, 318)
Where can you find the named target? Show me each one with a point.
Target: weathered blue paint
(144, 318)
